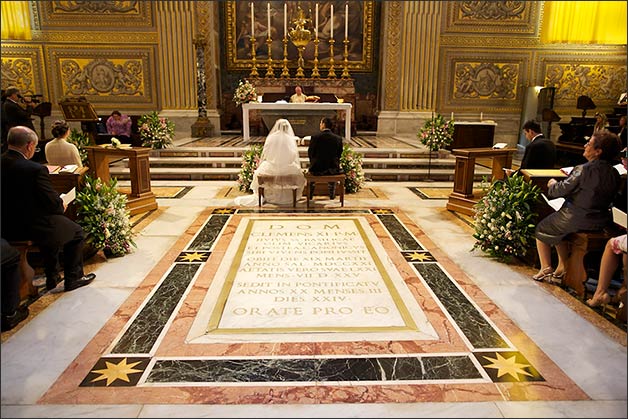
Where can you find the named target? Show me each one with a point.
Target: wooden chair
(312, 179)
(27, 273)
(283, 181)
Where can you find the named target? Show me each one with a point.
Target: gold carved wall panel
(520, 17)
(603, 82)
(104, 76)
(480, 81)
(71, 15)
(21, 67)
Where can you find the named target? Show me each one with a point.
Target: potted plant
(156, 132)
(436, 133)
(250, 161)
(103, 215)
(244, 93)
(80, 140)
(505, 218)
(351, 164)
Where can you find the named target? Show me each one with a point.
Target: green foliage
(103, 215)
(80, 140)
(250, 161)
(505, 218)
(436, 133)
(351, 164)
(156, 132)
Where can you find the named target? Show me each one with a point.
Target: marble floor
(442, 330)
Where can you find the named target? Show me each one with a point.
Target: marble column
(202, 127)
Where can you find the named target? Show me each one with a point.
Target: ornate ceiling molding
(520, 17)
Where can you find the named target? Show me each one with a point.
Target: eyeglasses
(37, 149)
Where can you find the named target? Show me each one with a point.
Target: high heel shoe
(556, 279)
(543, 273)
(596, 302)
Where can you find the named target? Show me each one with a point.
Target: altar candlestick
(268, 26)
(316, 26)
(252, 20)
(452, 116)
(285, 20)
(331, 31)
(346, 20)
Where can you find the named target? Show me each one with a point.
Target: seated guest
(298, 96)
(622, 130)
(32, 210)
(59, 151)
(541, 152)
(12, 312)
(614, 251)
(119, 126)
(601, 122)
(324, 151)
(280, 157)
(589, 191)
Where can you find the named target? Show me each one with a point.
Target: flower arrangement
(80, 140)
(351, 164)
(103, 215)
(244, 93)
(504, 218)
(250, 161)
(155, 131)
(436, 133)
(115, 143)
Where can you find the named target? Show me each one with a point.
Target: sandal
(543, 273)
(556, 279)
(596, 302)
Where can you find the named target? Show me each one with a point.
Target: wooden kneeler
(312, 179)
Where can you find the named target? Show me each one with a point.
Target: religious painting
(270, 23)
(78, 110)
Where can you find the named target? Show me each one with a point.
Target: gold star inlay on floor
(508, 367)
(224, 211)
(418, 257)
(116, 372)
(193, 257)
(382, 211)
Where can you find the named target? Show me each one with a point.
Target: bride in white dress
(280, 157)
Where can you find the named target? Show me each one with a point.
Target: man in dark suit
(33, 210)
(541, 152)
(324, 152)
(14, 114)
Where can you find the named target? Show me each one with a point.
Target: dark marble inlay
(116, 372)
(209, 233)
(303, 211)
(472, 322)
(398, 232)
(313, 370)
(142, 334)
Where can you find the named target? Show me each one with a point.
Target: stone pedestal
(202, 128)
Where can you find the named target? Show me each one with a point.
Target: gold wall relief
(85, 77)
(123, 77)
(602, 82)
(18, 72)
(485, 80)
(493, 16)
(21, 67)
(392, 51)
(73, 14)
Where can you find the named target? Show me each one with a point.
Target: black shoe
(332, 197)
(9, 322)
(85, 280)
(51, 283)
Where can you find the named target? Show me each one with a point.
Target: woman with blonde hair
(59, 151)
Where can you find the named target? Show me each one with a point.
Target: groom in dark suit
(33, 210)
(324, 152)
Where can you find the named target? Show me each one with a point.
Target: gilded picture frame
(359, 33)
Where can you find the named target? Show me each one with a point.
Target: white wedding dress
(280, 157)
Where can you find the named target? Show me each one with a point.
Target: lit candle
(268, 25)
(346, 20)
(316, 26)
(285, 20)
(252, 21)
(481, 116)
(452, 116)
(331, 31)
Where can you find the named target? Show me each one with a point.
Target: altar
(299, 114)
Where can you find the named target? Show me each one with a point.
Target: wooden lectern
(141, 199)
(462, 199)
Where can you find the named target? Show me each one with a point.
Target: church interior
(377, 303)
